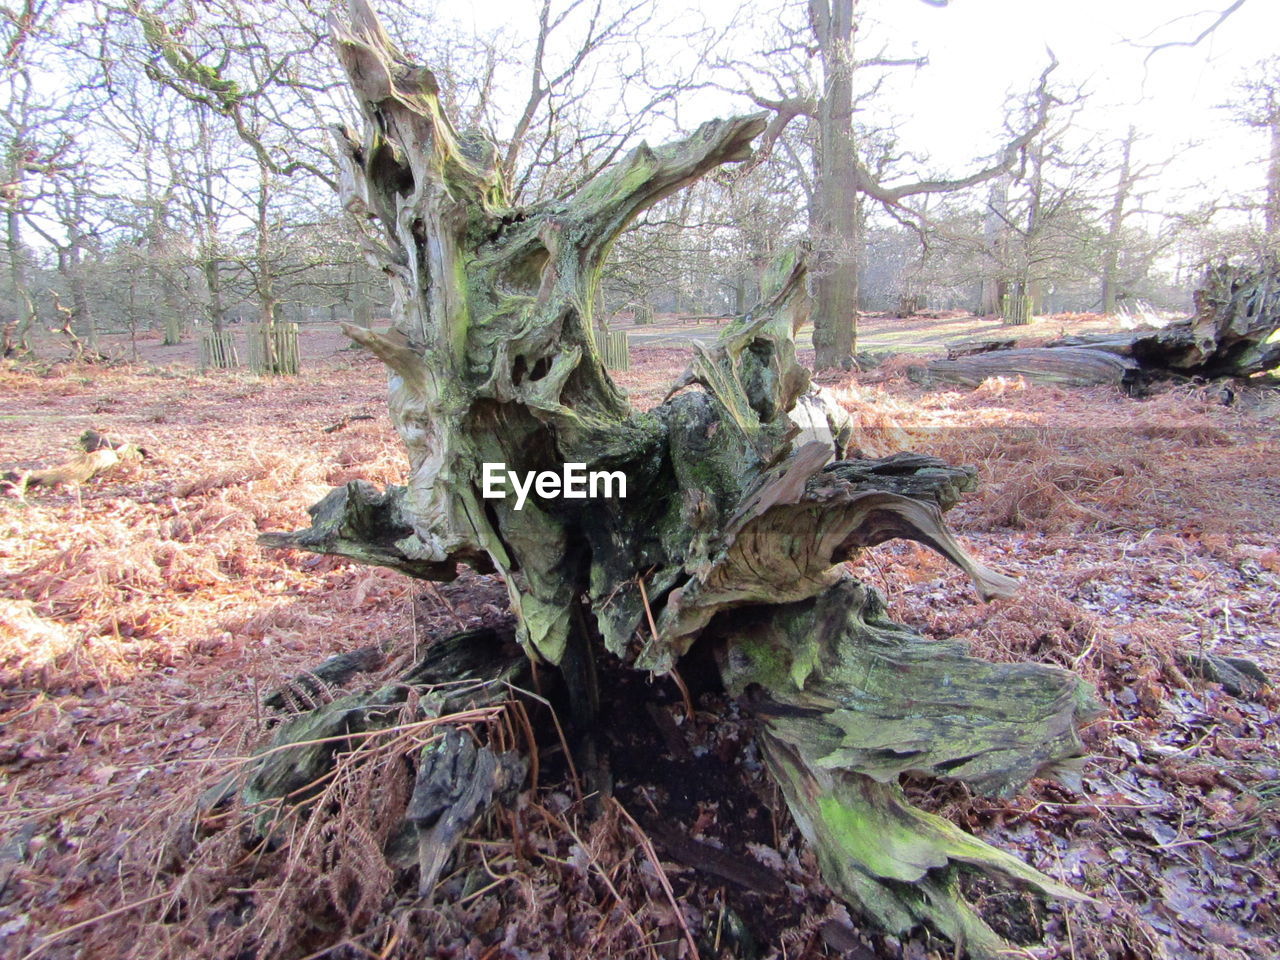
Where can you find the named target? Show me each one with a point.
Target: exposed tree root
(735, 527)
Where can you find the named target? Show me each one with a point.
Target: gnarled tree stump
(734, 531)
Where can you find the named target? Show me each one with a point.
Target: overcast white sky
(980, 50)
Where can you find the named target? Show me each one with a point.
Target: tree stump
(732, 532)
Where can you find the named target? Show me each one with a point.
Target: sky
(978, 49)
(981, 50)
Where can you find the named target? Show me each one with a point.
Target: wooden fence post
(273, 349)
(1015, 310)
(616, 349)
(218, 352)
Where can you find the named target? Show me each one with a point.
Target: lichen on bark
(737, 523)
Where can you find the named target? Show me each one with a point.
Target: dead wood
(333, 672)
(714, 861)
(101, 454)
(455, 783)
(734, 531)
(341, 424)
(1238, 676)
(80, 352)
(1232, 334)
(476, 668)
(1063, 366)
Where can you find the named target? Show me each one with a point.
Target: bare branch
(1219, 20)
(893, 196)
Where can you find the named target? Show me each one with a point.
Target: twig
(653, 629)
(564, 743)
(674, 674)
(647, 845)
(59, 934)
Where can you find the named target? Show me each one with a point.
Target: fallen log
(1066, 366)
(101, 453)
(1232, 334)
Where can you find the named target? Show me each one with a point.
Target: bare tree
(34, 138)
(1259, 107)
(843, 173)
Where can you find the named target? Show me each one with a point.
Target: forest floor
(928, 332)
(141, 627)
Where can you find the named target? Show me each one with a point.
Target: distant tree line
(165, 166)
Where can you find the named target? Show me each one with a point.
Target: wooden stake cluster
(615, 348)
(218, 352)
(273, 349)
(1015, 309)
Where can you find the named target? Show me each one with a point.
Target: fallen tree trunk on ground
(731, 534)
(1232, 334)
(101, 453)
(1066, 366)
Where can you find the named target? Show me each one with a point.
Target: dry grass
(140, 626)
(144, 567)
(1050, 463)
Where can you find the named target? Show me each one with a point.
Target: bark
(1115, 223)
(736, 525)
(837, 231)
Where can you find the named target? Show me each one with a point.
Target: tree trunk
(18, 276)
(268, 305)
(173, 322)
(730, 533)
(995, 231)
(86, 323)
(362, 309)
(264, 278)
(211, 267)
(1272, 219)
(1115, 222)
(81, 320)
(837, 234)
(1036, 294)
